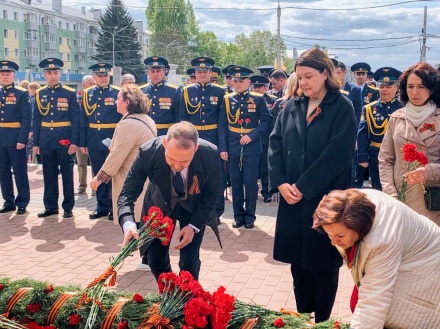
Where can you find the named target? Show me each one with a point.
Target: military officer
(99, 118)
(56, 124)
(215, 74)
(374, 122)
(260, 85)
(15, 124)
(229, 84)
(191, 73)
(369, 93)
(265, 70)
(200, 105)
(244, 118)
(164, 97)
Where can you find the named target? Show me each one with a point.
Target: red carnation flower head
(49, 289)
(247, 120)
(64, 142)
(421, 158)
(279, 323)
(409, 152)
(74, 319)
(123, 324)
(33, 308)
(240, 122)
(336, 325)
(1, 287)
(138, 298)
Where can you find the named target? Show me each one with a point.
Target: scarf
(418, 114)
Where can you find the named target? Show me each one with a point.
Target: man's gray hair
(128, 77)
(184, 133)
(87, 78)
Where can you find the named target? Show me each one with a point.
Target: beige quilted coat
(397, 269)
(400, 131)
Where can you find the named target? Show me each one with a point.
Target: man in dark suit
(185, 181)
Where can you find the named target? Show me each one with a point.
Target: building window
(5, 33)
(17, 52)
(31, 52)
(30, 35)
(61, 56)
(16, 35)
(67, 26)
(30, 18)
(5, 14)
(6, 51)
(15, 16)
(76, 71)
(60, 24)
(68, 57)
(68, 42)
(60, 41)
(74, 27)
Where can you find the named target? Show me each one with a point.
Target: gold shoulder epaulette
(187, 86)
(253, 93)
(69, 88)
(344, 92)
(144, 85)
(371, 104)
(231, 94)
(116, 87)
(41, 88)
(172, 86)
(20, 88)
(372, 87)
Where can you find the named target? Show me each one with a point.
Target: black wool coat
(317, 157)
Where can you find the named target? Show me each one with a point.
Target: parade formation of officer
(164, 97)
(374, 121)
(15, 124)
(99, 118)
(56, 124)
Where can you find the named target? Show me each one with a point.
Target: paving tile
(77, 250)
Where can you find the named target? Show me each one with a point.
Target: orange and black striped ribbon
(250, 323)
(15, 298)
(64, 297)
(111, 315)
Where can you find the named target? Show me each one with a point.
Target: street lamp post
(113, 38)
(166, 45)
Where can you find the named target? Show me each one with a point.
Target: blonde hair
(34, 85)
(137, 100)
(292, 89)
(24, 84)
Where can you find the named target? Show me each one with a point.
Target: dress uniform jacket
(99, 116)
(56, 117)
(373, 125)
(15, 115)
(164, 99)
(355, 95)
(369, 94)
(200, 105)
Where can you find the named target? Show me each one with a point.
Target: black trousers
(158, 255)
(315, 291)
(373, 165)
(104, 191)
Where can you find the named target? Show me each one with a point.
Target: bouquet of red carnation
(155, 226)
(66, 143)
(242, 133)
(414, 160)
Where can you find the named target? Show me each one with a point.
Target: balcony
(93, 36)
(80, 34)
(50, 28)
(32, 44)
(50, 46)
(31, 26)
(80, 49)
(33, 61)
(81, 64)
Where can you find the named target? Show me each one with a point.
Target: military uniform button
(99, 98)
(154, 96)
(98, 113)
(98, 121)
(154, 113)
(51, 98)
(51, 114)
(203, 121)
(203, 112)
(203, 89)
(203, 97)
(155, 89)
(99, 105)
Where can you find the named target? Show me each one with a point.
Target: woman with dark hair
(393, 253)
(417, 123)
(134, 129)
(310, 152)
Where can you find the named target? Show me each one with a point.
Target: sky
(378, 32)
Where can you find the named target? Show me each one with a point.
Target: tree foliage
(173, 30)
(117, 21)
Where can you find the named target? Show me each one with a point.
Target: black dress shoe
(67, 214)
(218, 221)
(267, 199)
(237, 224)
(98, 214)
(249, 225)
(48, 212)
(110, 217)
(21, 211)
(6, 209)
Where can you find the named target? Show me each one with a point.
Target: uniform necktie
(178, 184)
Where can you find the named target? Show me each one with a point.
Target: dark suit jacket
(151, 164)
(317, 158)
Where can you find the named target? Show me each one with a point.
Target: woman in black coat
(310, 152)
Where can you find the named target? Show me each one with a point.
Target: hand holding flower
(131, 233)
(72, 149)
(416, 176)
(245, 140)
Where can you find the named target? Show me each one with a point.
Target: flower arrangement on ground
(155, 225)
(414, 160)
(197, 309)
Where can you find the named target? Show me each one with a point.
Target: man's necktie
(178, 184)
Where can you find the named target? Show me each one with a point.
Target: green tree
(118, 23)
(206, 44)
(173, 29)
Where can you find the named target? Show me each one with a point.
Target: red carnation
(409, 152)
(1, 287)
(32, 308)
(279, 323)
(421, 158)
(49, 289)
(247, 120)
(138, 298)
(64, 142)
(240, 122)
(74, 319)
(123, 324)
(336, 325)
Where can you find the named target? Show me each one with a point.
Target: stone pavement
(76, 250)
